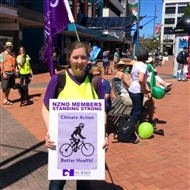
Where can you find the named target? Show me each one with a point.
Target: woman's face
(78, 60)
(22, 51)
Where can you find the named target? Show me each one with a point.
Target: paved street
(159, 163)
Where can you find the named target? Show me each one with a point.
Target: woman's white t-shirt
(138, 67)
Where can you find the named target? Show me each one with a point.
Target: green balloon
(145, 130)
(158, 92)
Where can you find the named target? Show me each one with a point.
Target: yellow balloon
(145, 130)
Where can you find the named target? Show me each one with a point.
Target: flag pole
(138, 24)
(78, 39)
(70, 15)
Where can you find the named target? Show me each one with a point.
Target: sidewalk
(160, 163)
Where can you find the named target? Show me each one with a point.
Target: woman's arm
(106, 141)
(45, 116)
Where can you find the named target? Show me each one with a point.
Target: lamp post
(153, 35)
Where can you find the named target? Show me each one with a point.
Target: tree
(187, 9)
(150, 43)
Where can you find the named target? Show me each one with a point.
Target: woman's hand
(32, 75)
(49, 143)
(149, 95)
(106, 143)
(5, 75)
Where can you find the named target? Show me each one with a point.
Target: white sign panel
(77, 128)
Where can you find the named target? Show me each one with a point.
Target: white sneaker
(168, 84)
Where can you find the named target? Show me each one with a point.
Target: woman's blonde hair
(96, 68)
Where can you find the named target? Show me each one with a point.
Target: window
(168, 40)
(169, 21)
(168, 30)
(181, 9)
(170, 10)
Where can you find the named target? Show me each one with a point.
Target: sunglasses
(9, 47)
(97, 74)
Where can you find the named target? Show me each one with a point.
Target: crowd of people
(139, 70)
(130, 82)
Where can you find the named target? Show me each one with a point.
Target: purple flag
(56, 18)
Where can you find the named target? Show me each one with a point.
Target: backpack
(126, 130)
(62, 80)
(179, 57)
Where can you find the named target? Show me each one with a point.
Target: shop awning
(110, 23)
(98, 3)
(86, 32)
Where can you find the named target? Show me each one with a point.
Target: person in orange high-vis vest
(8, 68)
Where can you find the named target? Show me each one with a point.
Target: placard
(77, 128)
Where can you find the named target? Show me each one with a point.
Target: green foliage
(187, 9)
(150, 43)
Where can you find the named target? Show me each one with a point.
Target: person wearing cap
(159, 81)
(8, 68)
(116, 57)
(183, 66)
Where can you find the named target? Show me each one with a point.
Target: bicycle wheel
(66, 150)
(87, 149)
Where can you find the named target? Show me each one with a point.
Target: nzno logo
(68, 172)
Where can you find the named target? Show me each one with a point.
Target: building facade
(22, 23)
(172, 11)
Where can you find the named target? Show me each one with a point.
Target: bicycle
(87, 149)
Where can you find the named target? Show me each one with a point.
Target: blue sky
(147, 7)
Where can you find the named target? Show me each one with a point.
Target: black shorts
(181, 66)
(106, 64)
(8, 82)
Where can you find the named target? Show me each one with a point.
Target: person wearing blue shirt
(106, 61)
